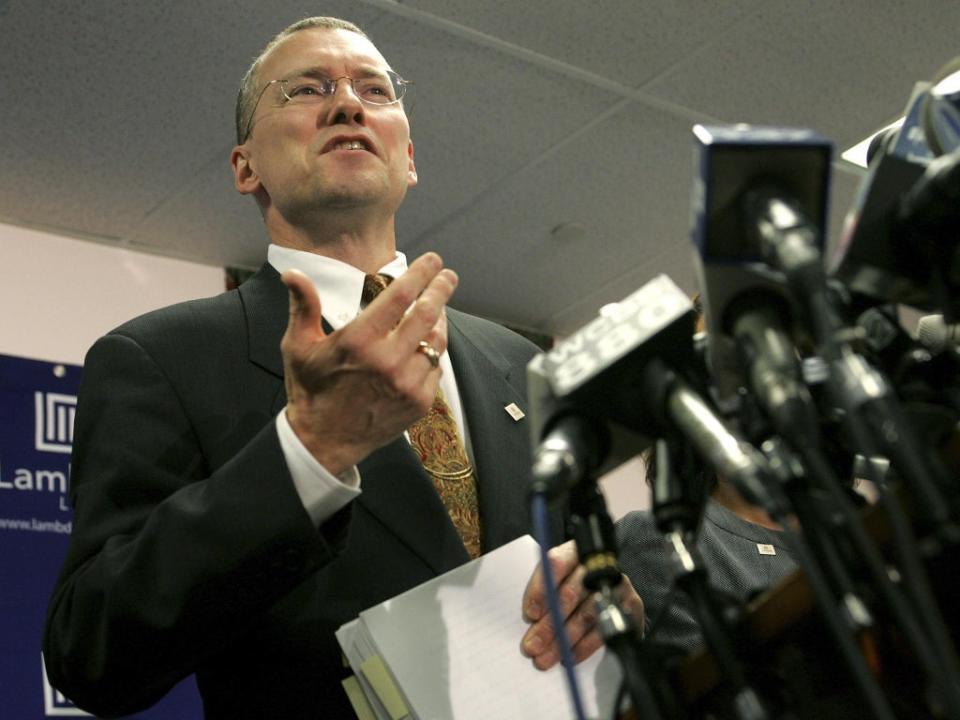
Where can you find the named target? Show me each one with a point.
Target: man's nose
(346, 106)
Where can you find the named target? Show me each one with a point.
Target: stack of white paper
(450, 648)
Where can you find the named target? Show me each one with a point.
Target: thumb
(563, 561)
(305, 321)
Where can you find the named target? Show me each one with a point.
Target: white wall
(58, 294)
(626, 489)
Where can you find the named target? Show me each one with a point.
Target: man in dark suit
(242, 490)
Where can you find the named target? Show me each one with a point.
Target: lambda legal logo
(54, 421)
(54, 702)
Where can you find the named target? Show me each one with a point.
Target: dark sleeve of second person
(644, 559)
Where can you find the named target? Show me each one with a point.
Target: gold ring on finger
(429, 352)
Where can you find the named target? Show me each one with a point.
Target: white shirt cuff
(321, 492)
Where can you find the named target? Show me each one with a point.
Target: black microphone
(570, 452)
(784, 223)
(928, 217)
(876, 255)
(585, 414)
(632, 368)
(588, 413)
(941, 110)
(926, 379)
(761, 195)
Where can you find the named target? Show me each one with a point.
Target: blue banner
(37, 405)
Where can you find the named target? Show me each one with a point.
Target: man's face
(301, 159)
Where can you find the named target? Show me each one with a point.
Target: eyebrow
(320, 72)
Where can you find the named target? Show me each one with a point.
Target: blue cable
(538, 508)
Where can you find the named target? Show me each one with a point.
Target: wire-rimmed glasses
(385, 88)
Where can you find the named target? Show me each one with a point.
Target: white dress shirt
(339, 286)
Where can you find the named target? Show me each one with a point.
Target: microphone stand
(564, 464)
(678, 516)
(787, 241)
(748, 470)
(875, 421)
(592, 528)
(824, 524)
(786, 407)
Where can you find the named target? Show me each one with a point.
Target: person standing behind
(741, 546)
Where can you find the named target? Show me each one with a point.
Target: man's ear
(411, 168)
(245, 179)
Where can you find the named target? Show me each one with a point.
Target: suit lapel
(488, 384)
(265, 306)
(264, 299)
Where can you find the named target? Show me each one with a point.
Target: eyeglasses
(386, 89)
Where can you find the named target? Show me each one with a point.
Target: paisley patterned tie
(436, 439)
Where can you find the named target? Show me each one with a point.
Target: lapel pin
(513, 411)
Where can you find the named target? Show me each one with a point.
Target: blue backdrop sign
(37, 405)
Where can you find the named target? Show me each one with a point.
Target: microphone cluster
(806, 379)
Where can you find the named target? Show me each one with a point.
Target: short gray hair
(248, 86)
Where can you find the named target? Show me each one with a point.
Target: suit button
(289, 559)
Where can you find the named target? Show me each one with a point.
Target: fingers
(541, 644)
(426, 316)
(420, 293)
(437, 337)
(389, 331)
(581, 627)
(563, 561)
(576, 606)
(354, 390)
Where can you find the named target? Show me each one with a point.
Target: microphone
(750, 181)
(936, 335)
(783, 225)
(941, 110)
(585, 416)
(926, 378)
(876, 255)
(629, 368)
(929, 215)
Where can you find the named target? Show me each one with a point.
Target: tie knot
(373, 285)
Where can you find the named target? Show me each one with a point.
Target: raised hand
(356, 389)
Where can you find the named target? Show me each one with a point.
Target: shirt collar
(338, 284)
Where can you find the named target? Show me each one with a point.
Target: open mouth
(347, 144)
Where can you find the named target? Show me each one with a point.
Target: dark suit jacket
(191, 550)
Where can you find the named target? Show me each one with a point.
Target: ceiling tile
(843, 69)
(477, 116)
(110, 107)
(515, 269)
(629, 42)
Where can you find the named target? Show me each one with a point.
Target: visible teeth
(349, 145)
